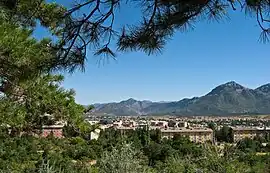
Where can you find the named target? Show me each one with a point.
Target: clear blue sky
(192, 64)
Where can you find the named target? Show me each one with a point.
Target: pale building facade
(240, 133)
(194, 135)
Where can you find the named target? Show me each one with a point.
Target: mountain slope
(228, 98)
(225, 99)
(264, 89)
(126, 107)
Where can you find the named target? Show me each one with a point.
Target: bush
(121, 160)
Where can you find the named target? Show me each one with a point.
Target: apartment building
(195, 135)
(117, 123)
(182, 124)
(129, 123)
(240, 133)
(160, 124)
(123, 130)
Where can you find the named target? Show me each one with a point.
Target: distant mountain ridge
(226, 99)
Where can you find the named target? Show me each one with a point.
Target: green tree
(40, 102)
(249, 145)
(89, 108)
(224, 134)
(212, 125)
(110, 138)
(183, 146)
(143, 135)
(121, 160)
(176, 165)
(157, 153)
(21, 56)
(155, 135)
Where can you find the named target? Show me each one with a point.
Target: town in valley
(198, 129)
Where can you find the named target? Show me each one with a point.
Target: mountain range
(227, 99)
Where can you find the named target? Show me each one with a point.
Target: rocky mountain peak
(129, 101)
(264, 88)
(229, 86)
(232, 84)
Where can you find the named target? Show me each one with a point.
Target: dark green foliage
(89, 108)
(212, 125)
(156, 152)
(30, 96)
(249, 145)
(155, 135)
(184, 146)
(27, 153)
(114, 154)
(122, 160)
(143, 136)
(110, 138)
(224, 134)
(36, 99)
(253, 145)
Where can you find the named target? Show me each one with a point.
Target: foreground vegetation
(137, 151)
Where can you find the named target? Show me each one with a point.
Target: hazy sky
(192, 64)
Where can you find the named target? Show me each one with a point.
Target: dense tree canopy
(21, 57)
(39, 102)
(30, 96)
(114, 152)
(224, 134)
